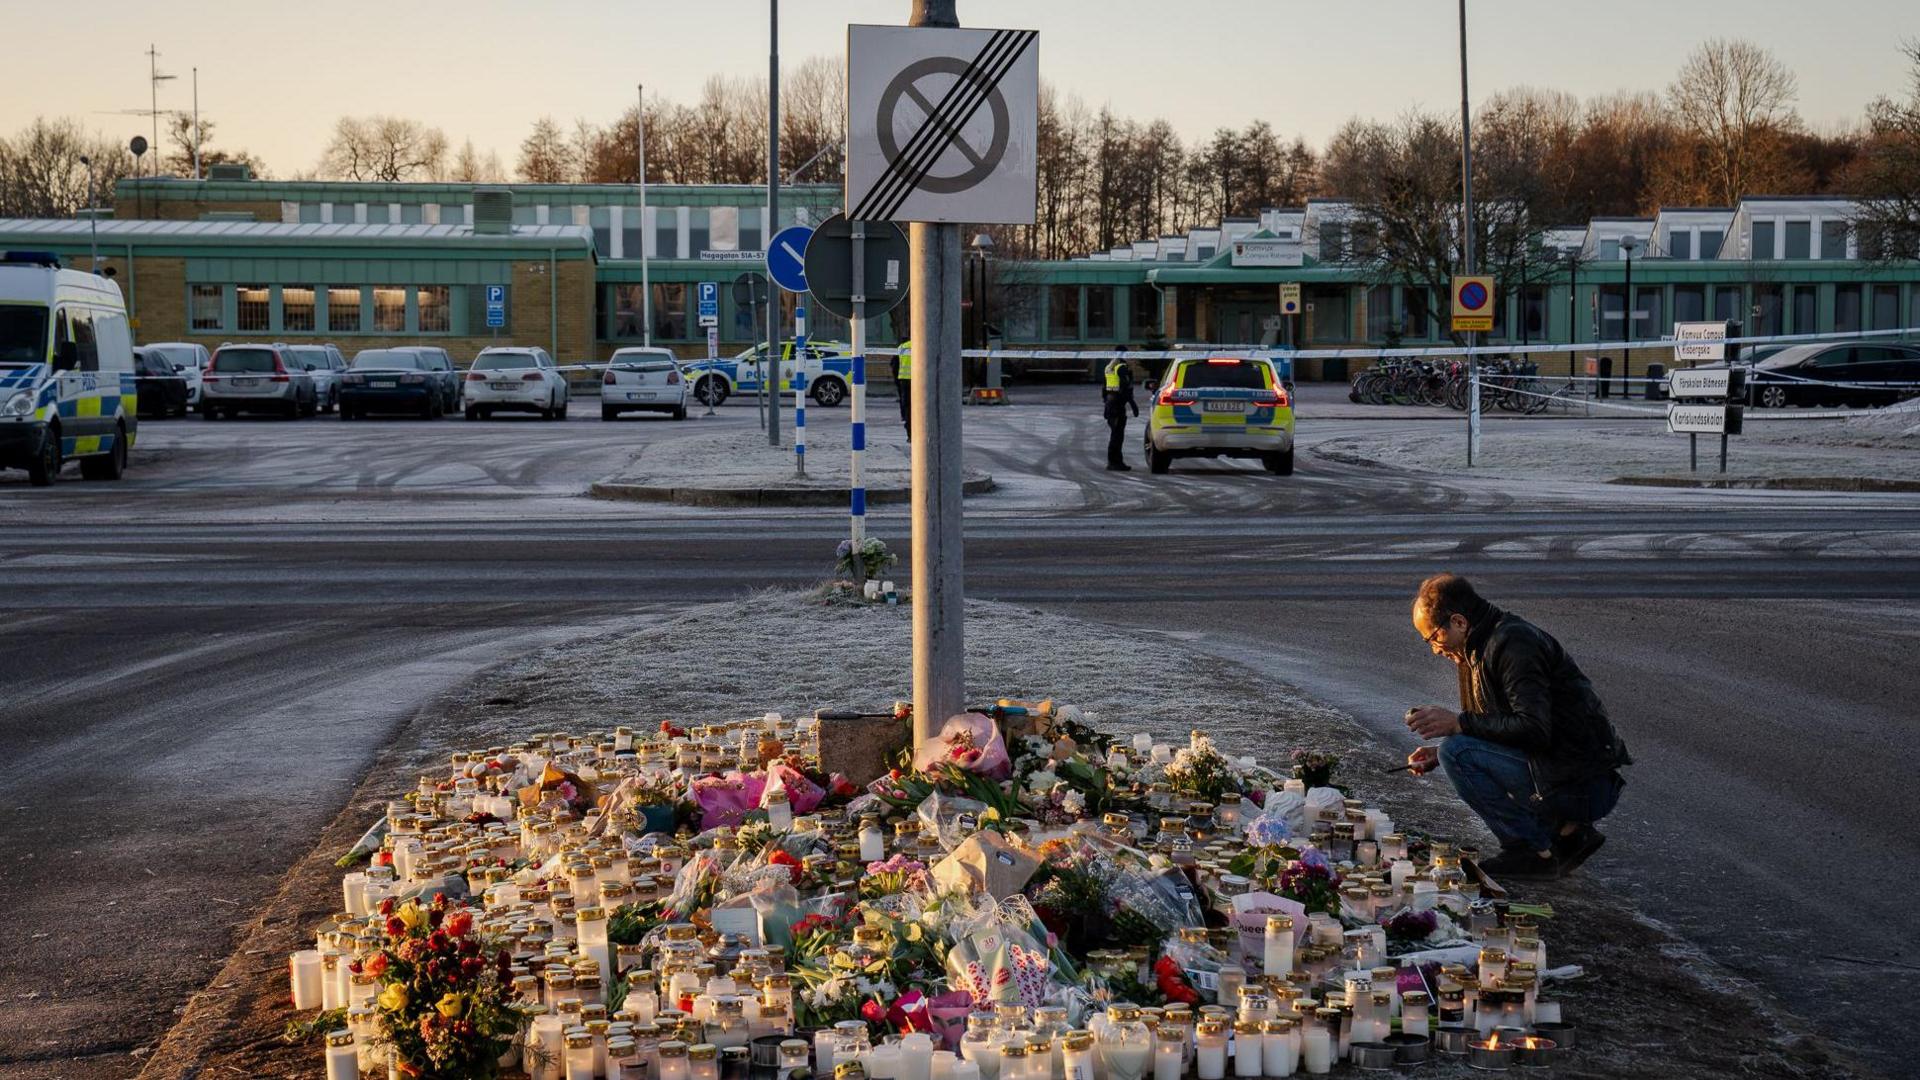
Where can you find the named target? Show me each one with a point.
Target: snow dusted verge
(1878, 445)
(737, 465)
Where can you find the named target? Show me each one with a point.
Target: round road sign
(1473, 296)
(830, 266)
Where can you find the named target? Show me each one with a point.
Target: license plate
(1223, 406)
(385, 384)
(503, 386)
(243, 383)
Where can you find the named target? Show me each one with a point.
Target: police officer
(1118, 394)
(903, 384)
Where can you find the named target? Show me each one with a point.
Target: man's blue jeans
(1495, 780)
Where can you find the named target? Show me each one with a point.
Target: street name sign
(1696, 341)
(942, 124)
(1712, 383)
(1472, 302)
(1685, 419)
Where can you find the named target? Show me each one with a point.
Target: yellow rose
(913, 932)
(451, 1006)
(413, 915)
(394, 997)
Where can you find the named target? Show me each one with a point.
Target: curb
(751, 497)
(1774, 483)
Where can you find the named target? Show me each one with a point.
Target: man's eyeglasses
(1438, 632)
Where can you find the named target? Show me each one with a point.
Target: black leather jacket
(1519, 688)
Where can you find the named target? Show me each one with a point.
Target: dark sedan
(390, 381)
(1841, 373)
(160, 388)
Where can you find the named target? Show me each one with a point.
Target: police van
(67, 386)
(826, 367)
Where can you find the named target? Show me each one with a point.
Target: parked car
(322, 365)
(643, 380)
(515, 380)
(255, 378)
(1841, 373)
(161, 388)
(446, 375)
(188, 359)
(390, 381)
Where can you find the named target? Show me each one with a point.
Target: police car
(827, 367)
(1222, 406)
(67, 387)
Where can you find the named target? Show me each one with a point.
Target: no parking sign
(1472, 302)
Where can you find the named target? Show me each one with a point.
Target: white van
(67, 386)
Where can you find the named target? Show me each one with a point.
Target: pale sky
(276, 74)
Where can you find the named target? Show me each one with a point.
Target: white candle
(943, 1063)
(1168, 1058)
(1280, 1048)
(966, 1070)
(780, 814)
(1316, 1050)
(1277, 958)
(1247, 1051)
(916, 1057)
(548, 1050)
(884, 1063)
(1398, 872)
(823, 1040)
(1077, 1056)
(303, 970)
(1210, 1054)
(353, 890)
(343, 1060)
(1546, 1012)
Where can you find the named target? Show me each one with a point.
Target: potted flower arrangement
(1315, 767)
(660, 800)
(445, 1007)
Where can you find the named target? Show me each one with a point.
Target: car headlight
(20, 404)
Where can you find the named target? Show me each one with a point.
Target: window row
(679, 232)
(322, 309)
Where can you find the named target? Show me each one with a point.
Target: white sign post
(1704, 406)
(1697, 341)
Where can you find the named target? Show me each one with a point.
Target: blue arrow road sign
(709, 303)
(787, 258)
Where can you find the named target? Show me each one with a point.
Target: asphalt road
(201, 659)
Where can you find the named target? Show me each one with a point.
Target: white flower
(830, 991)
(1043, 781)
(1075, 803)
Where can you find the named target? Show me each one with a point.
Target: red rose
(386, 906)
(396, 928)
(459, 924)
(873, 1012)
(383, 858)
(794, 867)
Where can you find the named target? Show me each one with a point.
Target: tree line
(1726, 126)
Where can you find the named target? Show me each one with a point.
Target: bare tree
(388, 149)
(42, 175)
(180, 140)
(1736, 99)
(546, 156)
(1886, 178)
(470, 167)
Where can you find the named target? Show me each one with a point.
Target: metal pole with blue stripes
(856, 463)
(799, 378)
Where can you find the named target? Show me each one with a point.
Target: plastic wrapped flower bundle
(1025, 898)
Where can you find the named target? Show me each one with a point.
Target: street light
(981, 250)
(1627, 244)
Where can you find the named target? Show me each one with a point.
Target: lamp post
(1627, 244)
(93, 219)
(977, 255)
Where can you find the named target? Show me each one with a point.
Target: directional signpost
(1705, 403)
(942, 126)
(1697, 341)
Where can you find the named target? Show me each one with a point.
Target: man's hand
(1136, 410)
(1433, 721)
(1423, 760)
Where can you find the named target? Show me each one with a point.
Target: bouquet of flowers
(1315, 767)
(1311, 882)
(445, 1005)
(1201, 771)
(873, 555)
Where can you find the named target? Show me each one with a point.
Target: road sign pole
(799, 392)
(771, 383)
(939, 586)
(1723, 452)
(1693, 452)
(856, 464)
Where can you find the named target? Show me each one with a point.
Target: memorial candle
(1277, 955)
(1280, 1047)
(1248, 1052)
(1169, 1050)
(1210, 1050)
(303, 969)
(1076, 1055)
(1316, 1047)
(343, 1061)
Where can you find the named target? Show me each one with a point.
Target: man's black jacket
(1519, 688)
